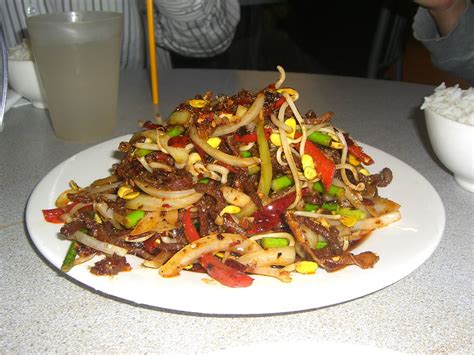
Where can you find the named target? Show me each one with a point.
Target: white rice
(20, 52)
(453, 103)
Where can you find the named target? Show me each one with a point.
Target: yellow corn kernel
(307, 161)
(291, 122)
(310, 173)
(353, 160)
(275, 139)
(219, 254)
(364, 172)
(214, 142)
(97, 218)
(188, 267)
(306, 267)
(336, 145)
(348, 221)
(197, 103)
(127, 193)
(231, 209)
(292, 92)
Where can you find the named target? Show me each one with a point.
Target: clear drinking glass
(78, 57)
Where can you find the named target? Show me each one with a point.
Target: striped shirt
(193, 28)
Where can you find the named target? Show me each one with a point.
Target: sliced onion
(235, 197)
(219, 155)
(249, 116)
(156, 222)
(149, 203)
(104, 247)
(209, 244)
(268, 257)
(219, 169)
(153, 191)
(377, 222)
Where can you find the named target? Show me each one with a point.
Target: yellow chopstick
(152, 52)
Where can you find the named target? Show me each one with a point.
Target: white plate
(402, 247)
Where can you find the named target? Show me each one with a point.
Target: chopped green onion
(132, 218)
(142, 152)
(320, 138)
(68, 261)
(334, 190)
(281, 182)
(175, 131)
(310, 207)
(275, 242)
(204, 180)
(245, 154)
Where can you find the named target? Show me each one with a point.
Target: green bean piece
(204, 180)
(132, 218)
(320, 138)
(310, 207)
(68, 261)
(335, 191)
(265, 181)
(274, 242)
(357, 214)
(142, 152)
(330, 206)
(321, 244)
(281, 182)
(175, 131)
(245, 154)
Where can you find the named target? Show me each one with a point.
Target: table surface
(430, 310)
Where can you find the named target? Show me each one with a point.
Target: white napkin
(14, 99)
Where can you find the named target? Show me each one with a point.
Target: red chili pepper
(270, 215)
(324, 166)
(357, 151)
(278, 103)
(150, 244)
(224, 274)
(53, 215)
(220, 272)
(178, 141)
(190, 231)
(251, 137)
(150, 125)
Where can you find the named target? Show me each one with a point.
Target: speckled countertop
(429, 311)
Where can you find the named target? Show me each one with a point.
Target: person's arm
(196, 28)
(445, 13)
(448, 34)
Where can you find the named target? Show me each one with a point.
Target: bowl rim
(440, 117)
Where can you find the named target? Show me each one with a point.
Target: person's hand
(444, 12)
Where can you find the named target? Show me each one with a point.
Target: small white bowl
(453, 143)
(23, 77)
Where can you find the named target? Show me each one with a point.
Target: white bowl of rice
(449, 115)
(23, 76)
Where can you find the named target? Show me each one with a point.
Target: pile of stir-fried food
(232, 186)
